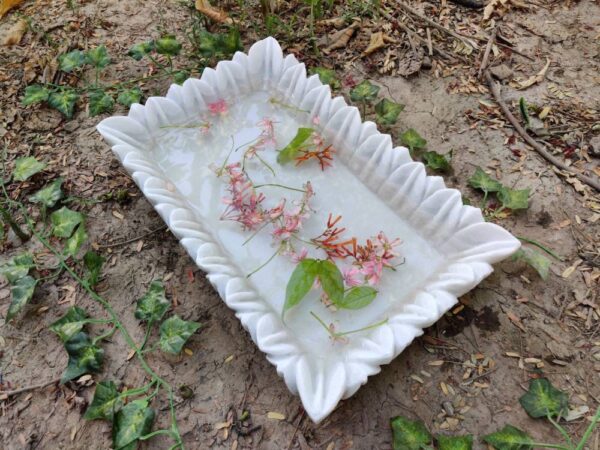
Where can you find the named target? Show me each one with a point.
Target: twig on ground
(486, 54)
(494, 87)
(137, 238)
(477, 4)
(33, 387)
(296, 430)
(429, 43)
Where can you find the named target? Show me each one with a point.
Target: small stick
(536, 146)
(429, 44)
(486, 54)
(137, 238)
(27, 388)
(296, 429)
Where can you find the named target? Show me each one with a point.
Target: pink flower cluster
(370, 260)
(264, 140)
(218, 108)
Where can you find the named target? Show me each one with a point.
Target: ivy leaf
(509, 438)
(412, 139)
(26, 167)
(357, 297)
(455, 442)
(514, 198)
(48, 195)
(435, 161)
(21, 291)
(130, 96)
(64, 222)
(106, 402)
(231, 42)
(332, 281)
(290, 151)
(168, 45)
(524, 112)
(98, 57)
(300, 283)
(93, 263)
(100, 102)
(534, 259)
(132, 422)
(174, 332)
(153, 305)
(17, 267)
(327, 76)
(364, 92)
(35, 94)
(408, 434)
(481, 180)
(64, 101)
(181, 76)
(542, 399)
(70, 324)
(212, 44)
(84, 357)
(387, 111)
(138, 51)
(68, 62)
(75, 242)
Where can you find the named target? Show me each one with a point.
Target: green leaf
(509, 438)
(17, 267)
(408, 434)
(100, 102)
(49, 194)
(132, 422)
(327, 76)
(70, 324)
(168, 45)
(97, 57)
(412, 139)
(290, 151)
(300, 283)
(35, 94)
(130, 96)
(138, 51)
(64, 101)
(22, 291)
(75, 242)
(332, 281)
(68, 62)
(93, 263)
(357, 297)
(106, 402)
(524, 111)
(174, 332)
(364, 92)
(481, 180)
(387, 111)
(181, 76)
(84, 357)
(542, 400)
(534, 259)
(514, 198)
(212, 44)
(64, 221)
(435, 161)
(26, 167)
(153, 305)
(455, 442)
(231, 42)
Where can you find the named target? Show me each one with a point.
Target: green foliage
(153, 305)
(174, 333)
(481, 180)
(291, 151)
(168, 45)
(509, 438)
(387, 112)
(332, 281)
(455, 442)
(524, 112)
(84, 357)
(35, 94)
(543, 400)
(70, 324)
(106, 402)
(364, 92)
(180, 76)
(49, 195)
(26, 167)
(357, 297)
(17, 267)
(100, 102)
(130, 96)
(132, 422)
(300, 283)
(93, 263)
(21, 291)
(138, 51)
(412, 139)
(435, 161)
(535, 259)
(64, 101)
(327, 76)
(513, 198)
(408, 434)
(212, 44)
(97, 57)
(64, 221)
(67, 62)
(76, 240)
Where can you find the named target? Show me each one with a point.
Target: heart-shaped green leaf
(509, 438)
(387, 112)
(357, 297)
(64, 101)
(138, 51)
(534, 259)
(132, 422)
(153, 305)
(35, 94)
(17, 267)
(21, 292)
(75, 242)
(93, 263)
(100, 102)
(514, 198)
(481, 180)
(70, 324)
(454, 442)
(49, 194)
(84, 357)
(130, 96)
(98, 57)
(543, 400)
(364, 92)
(332, 281)
(168, 45)
(412, 139)
(26, 167)
(68, 62)
(327, 76)
(64, 222)
(408, 434)
(291, 151)
(435, 161)
(300, 283)
(106, 402)
(174, 333)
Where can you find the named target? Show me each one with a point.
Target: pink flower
(316, 120)
(276, 212)
(350, 276)
(372, 271)
(218, 107)
(205, 127)
(297, 257)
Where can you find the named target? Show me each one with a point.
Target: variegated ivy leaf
(17, 267)
(327, 76)
(64, 222)
(153, 305)
(70, 61)
(93, 263)
(97, 57)
(534, 259)
(543, 400)
(481, 180)
(514, 198)
(132, 422)
(70, 324)
(168, 45)
(64, 101)
(291, 151)
(435, 161)
(21, 292)
(300, 283)
(130, 96)
(84, 357)
(138, 51)
(387, 111)
(412, 139)
(509, 438)
(174, 333)
(364, 92)
(35, 94)
(455, 442)
(48, 195)
(332, 281)
(408, 434)
(357, 297)
(106, 402)
(76, 240)
(26, 167)
(100, 102)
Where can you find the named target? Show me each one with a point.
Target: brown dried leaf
(5, 5)
(14, 34)
(377, 42)
(537, 78)
(340, 39)
(214, 14)
(411, 63)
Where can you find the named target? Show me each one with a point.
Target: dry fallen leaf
(411, 63)
(215, 14)
(14, 34)
(275, 415)
(5, 5)
(341, 38)
(376, 43)
(537, 78)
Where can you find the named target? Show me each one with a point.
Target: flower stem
(540, 246)
(589, 431)
(265, 263)
(258, 186)
(334, 335)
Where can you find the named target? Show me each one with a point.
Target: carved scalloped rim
(459, 232)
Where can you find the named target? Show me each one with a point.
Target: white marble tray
(448, 247)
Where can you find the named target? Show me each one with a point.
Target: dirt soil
(511, 327)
